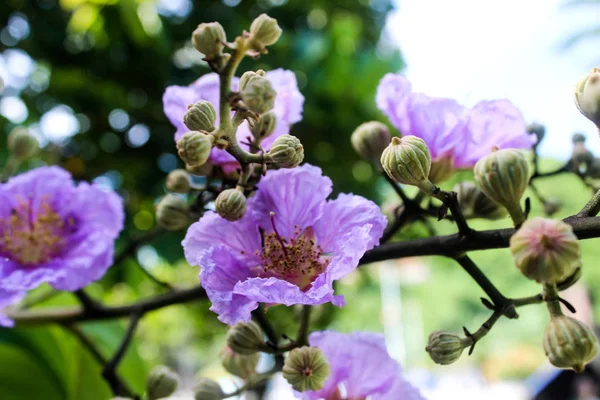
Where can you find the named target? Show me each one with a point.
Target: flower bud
(587, 96)
(22, 144)
(406, 160)
(172, 213)
(258, 95)
(209, 39)
(178, 181)
(441, 170)
(245, 338)
(287, 151)
(578, 138)
(538, 130)
(569, 343)
(207, 389)
(161, 382)
(503, 176)
(570, 280)
(242, 365)
(248, 76)
(306, 368)
(264, 31)
(265, 125)
(545, 250)
(370, 139)
(552, 205)
(231, 204)
(475, 204)
(205, 169)
(200, 116)
(445, 348)
(194, 147)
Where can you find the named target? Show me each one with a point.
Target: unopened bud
(538, 130)
(172, 213)
(265, 125)
(205, 169)
(245, 338)
(207, 389)
(406, 160)
(287, 151)
(569, 343)
(249, 76)
(22, 144)
(587, 96)
(264, 31)
(306, 368)
(545, 250)
(242, 365)
(370, 139)
(258, 95)
(570, 280)
(552, 205)
(194, 147)
(441, 170)
(578, 138)
(445, 348)
(178, 181)
(503, 176)
(231, 204)
(209, 39)
(475, 204)
(161, 382)
(200, 116)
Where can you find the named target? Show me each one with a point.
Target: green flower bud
(287, 151)
(200, 116)
(22, 144)
(578, 138)
(445, 348)
(194, 147)
(248, 76)
(231, 204)
(407, 160)
(172, 213)
(245, 338)
(545, 250)
(209, 39)
(178, 181)
(475, 204)
(569, 343)
(587, 96)
(205, 169)
(503, 176)
(552, 205)
(258, 95)
(242, 365)
(264, 31)
(207, 389)
(161, 382)
(265, 125)
(570, 280)
(441, 170)
(306, 368)
(370, 139)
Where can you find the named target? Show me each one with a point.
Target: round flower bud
(231, 204)
(587, 96)
(407, 160)
(242, 365)
(538, 130)
(475, 204)
(172, 213)
(264, 31)
(245, 338)
(445, 348)
(265, 125)
(200, 116)
(248, 76)
(552, 205)
(205, 169)
(194, 147)
(441, 170)
(545, 250)
(306, 368)
(569, 343)
(370, 139)
(287, 151)
(503, 176)
(578, 138)
(258, 95)
(161, 382)
(178, 181)
(207, 389)
(570, 280)
(209, 39)
(22, 144)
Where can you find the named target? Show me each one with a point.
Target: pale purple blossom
(361, 368)
(288, 108)
(289, 248)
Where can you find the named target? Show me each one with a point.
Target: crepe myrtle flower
(289, 248)
(360, 368)
(454, 133)
(53, 231)
(287, 108)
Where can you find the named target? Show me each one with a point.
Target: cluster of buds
(587, 96)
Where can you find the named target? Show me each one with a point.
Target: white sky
(473, 50)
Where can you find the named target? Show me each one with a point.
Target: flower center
(298, 260)
(32, 237)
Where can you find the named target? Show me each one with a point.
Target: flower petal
(176, 100)
(8, 298)
(393, 93)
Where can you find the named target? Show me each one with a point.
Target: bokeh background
(87, 77)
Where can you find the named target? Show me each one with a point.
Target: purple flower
(289, 248)
(360, 367)
(288, 108)
(53, 231)
(8, 298)
(450, 129)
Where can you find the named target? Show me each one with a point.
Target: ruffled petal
(18, 278)
(277, 291)
(99, 210)
(393, 93)
(8, 298)
(176, 100)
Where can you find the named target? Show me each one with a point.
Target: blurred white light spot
(118, 119)
(176, 8)
(19, 63)
(149, 18)
(232, 3)
(59, 123)
(148, 257)
(13, 109)
(18, 27)
(104, 182)
(138, 135)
